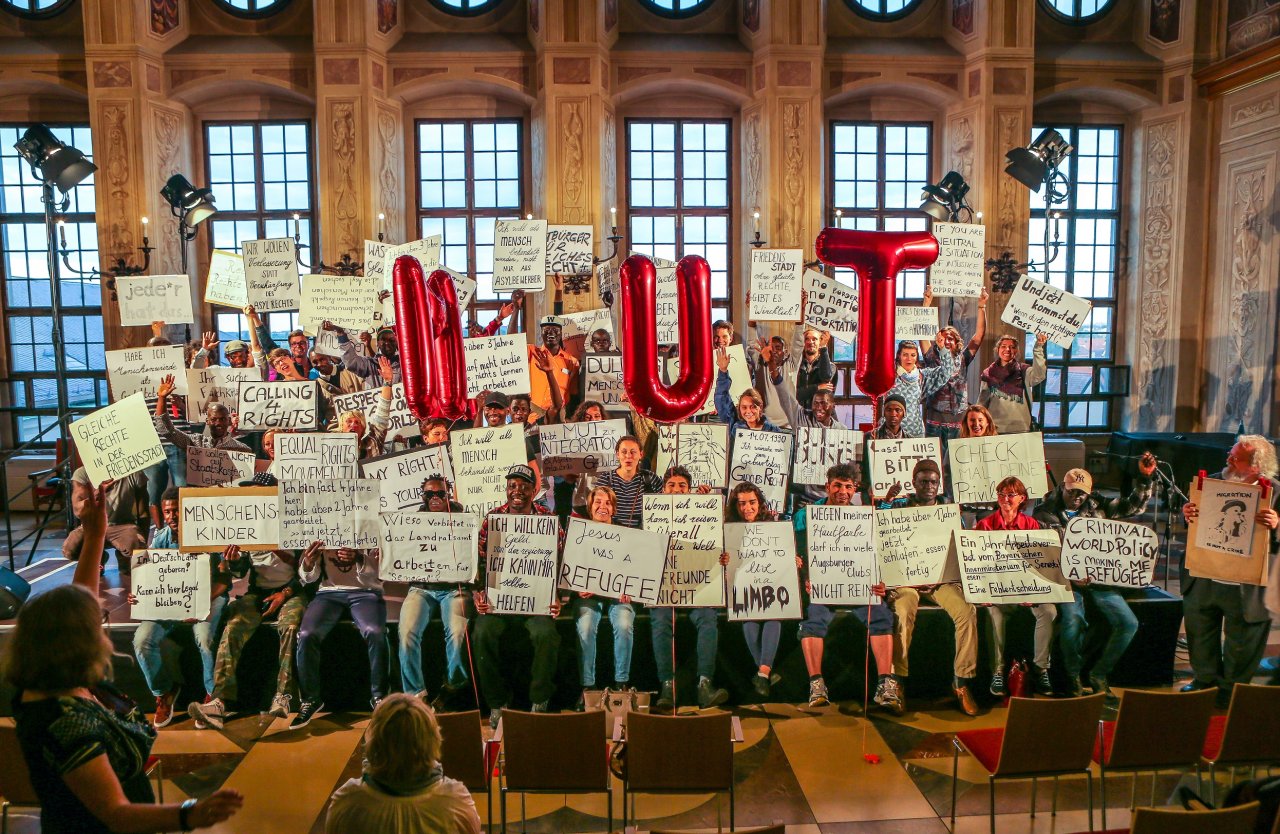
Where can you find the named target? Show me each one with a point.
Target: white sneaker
(280, 705)
(818, 693)
(211, 714)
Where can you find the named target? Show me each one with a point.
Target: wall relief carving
(116, 179)
(795, 118)
(1249, 193)
(389, 186)
(1155, 367)
(342, 164)
(572, 159)
(168, 137)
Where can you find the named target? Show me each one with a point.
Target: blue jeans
(1073, 627)
(587, 615)
(368, 611)
(762, 641)
(415, 616)
(171, 470)
(705, 620)
(147, 647)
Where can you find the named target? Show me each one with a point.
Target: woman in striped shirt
(629, 483)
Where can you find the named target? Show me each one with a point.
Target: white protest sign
(606, 278)
(775, 284)
(979, 463)
(215, 517)
(375, 262)
(569, 250)
(916, 324)
(218, 467)
(225, 284)
(695, 523)
(1037, 307)
(426, 251)
(216, 383)
(147, 298)
(666, 303)
(586, 322)
(702, 448)
(831, 306)
(401, 474)
(429, 547)
(139, 370)
(602, 380)
(893, 460)
(463, 287)
(1109, 552)
(761, 576)
(340, 513)
(613, 561)
(117, 440)
(170, 585)
(347, 301)
(401, 422)
(277, 405)
(739, 377)
(575, 448)
(497, 363)
(762, 458)
(841, 559)
(327, 344)
(519, 255)
(818, 449)
(914, 544)
(313, 456)
(961, 265)
(271, 274)
(520, 570)
(1226, 519)
(1012, 566)
(481, 459)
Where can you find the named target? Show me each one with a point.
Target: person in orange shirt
(564, 366)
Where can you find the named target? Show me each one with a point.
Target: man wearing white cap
(564, 368)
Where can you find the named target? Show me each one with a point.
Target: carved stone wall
(1153, 369)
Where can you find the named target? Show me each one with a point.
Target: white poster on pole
(577, 448)
(739, 377)
(702, 448)
(216, 383)
(831, 305)
(520, 570)
(893, 460)
(277, 405)
(214, 517)
(761, 576)
(1038, 307)
(519, 255)
(570, 250)
(613, 561)
(140, 370)
(271, 274)
(401, 474)
(347, 301)
(147, 298)
(218, 467)
(602, 381)
(841, 561)
(340, 513)
(117, 440)
(426, 251)
(762, 458)
(225, 284)
(979, 463)
(497, 363)
(916, 324)
(316, 456)
(818, 449)
(481, 460)
(1012, 566)
(915, 545)
(400, 420)
(1109, 552)
(776, 278)
(429, 547)
(961, 266)
(170, 585)
(694, 577)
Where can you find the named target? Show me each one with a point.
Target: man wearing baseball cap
(366, 367)
(564, 368)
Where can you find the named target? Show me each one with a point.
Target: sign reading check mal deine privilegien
(979, 463)
(117, 440)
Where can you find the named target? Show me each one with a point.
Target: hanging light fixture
(946, 200)
(1037, 163)
(189, 204)
(54, 160)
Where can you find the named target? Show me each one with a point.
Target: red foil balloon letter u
(877, 257)
(639, 297)
(433, 366)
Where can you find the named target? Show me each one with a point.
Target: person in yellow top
(564, 369)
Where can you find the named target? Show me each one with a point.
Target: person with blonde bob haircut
(977, 422)
(403, 789)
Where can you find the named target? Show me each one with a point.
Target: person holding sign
(1212, 608)
(1007, 384)
(217, 432)
(299, 345)
(749, 413)
(1011, 497)
(372, 431)
(564, 367)
(629, 483)
(367, 367)
(820, 413)
(943, 408)
(1075, 498)
(916, 384)
(589, 609)
(332, 377)
(747, 504)
(127, 516)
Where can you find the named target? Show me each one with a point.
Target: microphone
(1167, 479)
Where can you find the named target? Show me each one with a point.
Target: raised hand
(722, 360)
(385, 369)
(167, 385)
(542, 359)
(1147, 464)
(209, 341)
(1041, 338)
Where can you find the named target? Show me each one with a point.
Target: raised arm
(980, 332)
(1038, 370)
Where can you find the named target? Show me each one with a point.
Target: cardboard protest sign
(602, 380)
(893, 460)
(426, 251)
(139, 370)
(606, 278)
(401, 422)
(147, 298)
(212, 518)
(1038, 307)
(347, 301)
(225, 285)
(613, 561)
(818, 449)
(216, 383)
(570, 250)
(702, 448)
(739, 377)
(961, 266)
(762, 458)
(1108, 552)
(695, 523)
(401, 474)
(429, 547)
(776, 284)
(170, 585)
(1012, 566)
(1221, 557)
(117, 440)
(277, 405)
(218, 467)
(519, 255)
(311, 456)
(914, 545)
(916, 324)
(497, 363)
(761, 576)
(979, 463)
(666, 304)
(326, 343)
(481, 459)
(520, 574)
(831, 305)
(575, 448)
(841, 561)
(585, 323)
(375, 264)
(340, 513)
(271, 274)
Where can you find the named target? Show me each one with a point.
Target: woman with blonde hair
(589, 610)
(403, 789)
(371, 433)
(977, 422)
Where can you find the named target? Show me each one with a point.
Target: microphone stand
(1171, 490)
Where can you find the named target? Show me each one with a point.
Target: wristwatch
(184, 815)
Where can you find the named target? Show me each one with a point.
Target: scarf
(435, 774)
(1009, 380)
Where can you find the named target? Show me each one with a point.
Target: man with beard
(564, 368)
(217, 432)
(334, 377)
(366, 367)
(821, 414)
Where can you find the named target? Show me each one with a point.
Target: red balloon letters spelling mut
(433, 365)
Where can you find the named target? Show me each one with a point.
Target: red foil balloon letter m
(433, 366)
(877, 257)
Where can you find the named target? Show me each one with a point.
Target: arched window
(35, 8)
(251, 8)
(675, 8)
(1077, 11)
(883, 9)
(465, 7)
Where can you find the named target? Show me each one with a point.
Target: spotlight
(945, 200)
(192, 205)
(56, 161)
(1038, 162)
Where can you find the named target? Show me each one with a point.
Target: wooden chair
(1237, 820)
(464, 753)
(767, 829)
(553, 753)
(1040, 738)
(1153, 731)
(679, 755)
(1247, 736)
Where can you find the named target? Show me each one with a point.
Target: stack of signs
(216, 383)
(312, 456)
(520, 570)
(211, 519)
(208, 467)
(140, 370)
(278, 405)
(841, 559)
(819, 449)
(226, 284)
(695, 523)
(497, 363)
(1038, 307)
(481, 459)
(775, 284)
(339, 512)
(1012, 566)
(1107, 552)
(429, 547)
(979, 463)
(609, 560)
(519, 255)
(401, 474)
(961, 266)
(271, 274)
(761, 575)
(892, 461)
(117, 440)
(401, 422)
(147, 298)
(831, 306)
(569, 250)
(916, 324)
(170, 585)
(762, 458)
(914, 544)
(702, 448)
(577, 448)
(602, 380)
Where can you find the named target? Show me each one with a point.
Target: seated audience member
(842, 486)
(127, 516)
(332, 376)
(916, 384)
(148, 639)
(349, 584)
(629, 482)
(943, 409)
(1011, 497)
(1007, 384)
(217, 432)
(589, 609)
(747, 503)
(926, 479)
(564, 368)
(403, 788)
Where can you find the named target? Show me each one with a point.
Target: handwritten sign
(148, 298)
(1012, 566)
(117, 440)
(1109, 552)
(271, 274)
(347, 301)
(429, 547)
(313, 456)
(739, 377)
(979, 463)
(961, 264)
(170, 585)
(1037, 307)
(776, 284)
(916, 324)
(215, 517)
(481, 459)
(667, 304)
(914, 545)
(375, 264)
(401, 422)
(216, 383)
(426, 251)
(575, 448)
(695, 524)
(602, 380)
(569, 250)
(225, 285)
(277, 405)
(893, 460)
(818, 449)
(762, 458)
(218, 467)
(497, 363)
(586, 322)
(761, 575)
(327, 344)
(1227, 512)
(520, 575)
(1223, 561)
(340, 513)
(831, 306)
(139, 370)
(613, 561)
(841, 558)
(519, 255)
(702, 448)
(401, 474)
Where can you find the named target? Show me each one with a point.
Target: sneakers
(889, 695)
(211, 713)
(666, 698)
(306, 711)
(495, 716)
(164, 708)
(280, 705)
(709, 695)
(1040, 682)
(1099, 684)
(1074, 689)
(997, 683)
(818, 693)
(965, 699)
(760, 683)
(541, 706)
